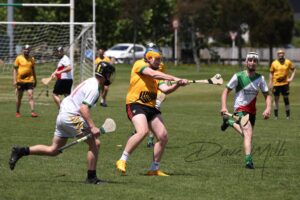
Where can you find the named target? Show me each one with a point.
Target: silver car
(125, 52)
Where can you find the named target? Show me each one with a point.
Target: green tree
(197, 21)
(274, 24)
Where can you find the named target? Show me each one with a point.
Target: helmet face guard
(107, 71)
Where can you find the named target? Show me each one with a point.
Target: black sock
(91, 174)
(276, 113)
(24, 151)
(287, 113)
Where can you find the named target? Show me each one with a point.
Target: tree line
(270, 22)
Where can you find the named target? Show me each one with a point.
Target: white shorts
(69, 126)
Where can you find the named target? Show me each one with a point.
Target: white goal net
(43, 39)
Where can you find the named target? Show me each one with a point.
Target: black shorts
(283, 89)
(252, 117)
(63, 86)
(136, 108)
(24, 86)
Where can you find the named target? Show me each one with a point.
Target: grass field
(204, 162)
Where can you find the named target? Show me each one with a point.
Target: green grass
(204, 162)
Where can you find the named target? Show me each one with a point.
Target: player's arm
(34, 76)
(224, 96)
(53, 75)
(86, 115)
(160, 75)
(271, 74)
(66, 69)
(268, 100)
(15, 74)
(167, 89)
(290, 79)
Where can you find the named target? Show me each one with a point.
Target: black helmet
(107, 71)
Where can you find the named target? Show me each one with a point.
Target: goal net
(43, 39)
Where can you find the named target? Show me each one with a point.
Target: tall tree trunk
(271, 54)
(194, 48)
(239, 41)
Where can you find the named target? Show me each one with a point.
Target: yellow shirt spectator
(281, 71)
(25, 69)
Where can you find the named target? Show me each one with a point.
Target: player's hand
(266, 114)
(53, 75)
(223, 110)
(15, 84)
(34, 84)
(95, 131)
(182, 82)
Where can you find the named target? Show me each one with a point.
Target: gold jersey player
(279, 79)
(141, 111)
(24, 79)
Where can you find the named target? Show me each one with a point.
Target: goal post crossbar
(35, 5)
(50, 23)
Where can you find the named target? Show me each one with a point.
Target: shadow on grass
(70, 181)
(173, 174)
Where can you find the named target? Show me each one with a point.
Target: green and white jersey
(246, 90)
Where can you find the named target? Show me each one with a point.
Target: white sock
(154, 166)
(124, 156)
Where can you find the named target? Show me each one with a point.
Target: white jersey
(63, 63)
(246, 89)
(85, 93)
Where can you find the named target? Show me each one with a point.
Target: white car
(123, 52)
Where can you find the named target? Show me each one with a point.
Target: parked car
(123, 52)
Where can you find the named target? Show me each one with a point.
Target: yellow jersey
(142, 89)
(105, 59)
(281, 72)
(24, 69)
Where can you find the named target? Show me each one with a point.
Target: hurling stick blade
(243, 121)
(46, 81)
(108, 126)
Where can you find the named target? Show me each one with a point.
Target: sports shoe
(18, 114)
(121, 166)
(156, 173)
(94, 180)
(33, 114)
(103, 104)
(14, 157)
(249, 165)
(225, 125)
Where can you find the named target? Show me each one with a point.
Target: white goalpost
(78, 40)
